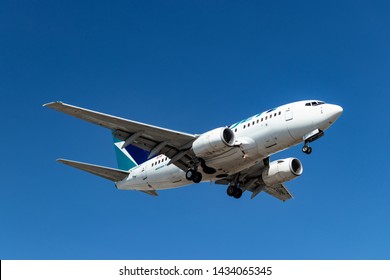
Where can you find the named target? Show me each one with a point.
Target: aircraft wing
(156, 140)
(249, 180)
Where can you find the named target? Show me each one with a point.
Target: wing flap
(111, 174)
(279, 191)
(153, 193)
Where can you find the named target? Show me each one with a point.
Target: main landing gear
(193, 175)
(234, 191)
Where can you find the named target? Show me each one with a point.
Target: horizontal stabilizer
(112, 174)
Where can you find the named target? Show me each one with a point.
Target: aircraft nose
(335, 112)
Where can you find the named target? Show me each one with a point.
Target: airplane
(152, 158)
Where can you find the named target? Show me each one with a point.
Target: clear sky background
(192, 66)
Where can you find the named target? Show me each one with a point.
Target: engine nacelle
(281, 171)
(213, 142)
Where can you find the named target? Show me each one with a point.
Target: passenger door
(288, 114)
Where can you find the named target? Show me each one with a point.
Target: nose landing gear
(310, 137)
(306, 149)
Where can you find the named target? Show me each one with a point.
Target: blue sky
(191, 66)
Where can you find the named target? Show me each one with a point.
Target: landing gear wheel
(197, 178)
(190, 174)
(234, 191)
(231, 190)
(306, 149)
(238, 193)
(194, 176)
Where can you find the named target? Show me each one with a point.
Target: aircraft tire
(307, 150)
(190, 174)
(237, 193)
(231, 190)
(197, 178)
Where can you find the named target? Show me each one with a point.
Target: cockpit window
(314, 103)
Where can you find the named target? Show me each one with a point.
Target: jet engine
(281, 171)
(213, 142)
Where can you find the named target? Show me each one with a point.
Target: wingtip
(51, 104)
(60, 160)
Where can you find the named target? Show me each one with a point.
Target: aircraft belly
(232, 161)
(161, 177)
(166, 177)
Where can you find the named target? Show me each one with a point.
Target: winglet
(52, 104)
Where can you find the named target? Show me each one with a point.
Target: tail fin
(130, 156)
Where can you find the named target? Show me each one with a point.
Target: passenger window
(280, 113)
(249, 124)
(275, 115)
(261, 119)
(266, 117)
(270, 116)
(244, 125)
(235, 130)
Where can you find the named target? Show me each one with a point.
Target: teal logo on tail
(130, 156)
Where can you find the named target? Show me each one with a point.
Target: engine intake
(281, 171)
(213, 142)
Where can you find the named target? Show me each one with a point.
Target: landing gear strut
(194, 176)
(234, 191)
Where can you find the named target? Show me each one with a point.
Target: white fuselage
(256, 138)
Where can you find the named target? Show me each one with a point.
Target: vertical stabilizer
(130, 156)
